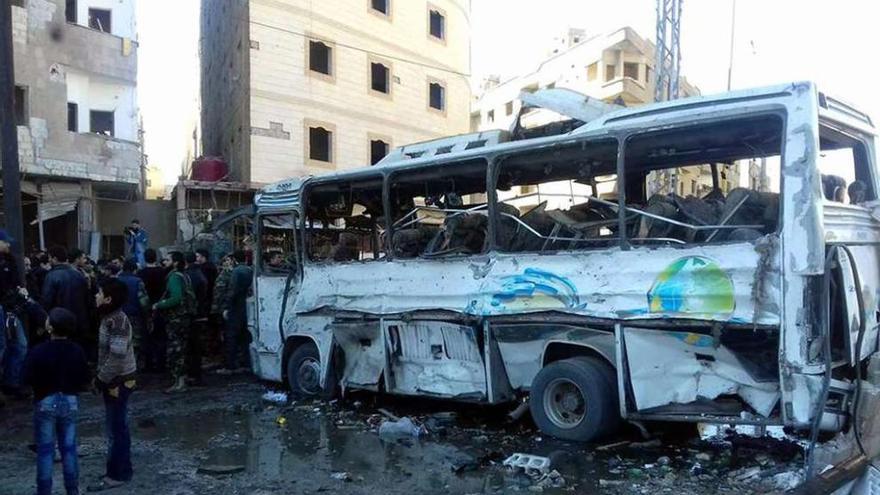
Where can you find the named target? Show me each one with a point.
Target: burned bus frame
(358, 316)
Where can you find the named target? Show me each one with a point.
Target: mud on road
(225, 439)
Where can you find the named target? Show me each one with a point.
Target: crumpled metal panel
(680, 367)
(711, 283)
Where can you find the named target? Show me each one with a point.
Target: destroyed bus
(710, 259)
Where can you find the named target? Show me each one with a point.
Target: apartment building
(77, 115)
(295, 87)
(616, 67)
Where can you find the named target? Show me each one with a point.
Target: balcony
(101, 53)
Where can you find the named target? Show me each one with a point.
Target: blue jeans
(13, 349)
(55, 420)
(118, 435)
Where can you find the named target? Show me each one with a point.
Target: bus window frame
(392, 174)
(862, 149)
(258, 255)
(371, 175)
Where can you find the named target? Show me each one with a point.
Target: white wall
(92, 93)
(122, 16)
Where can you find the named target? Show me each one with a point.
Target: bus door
(277, 278)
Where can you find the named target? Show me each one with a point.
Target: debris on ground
(341, 476)
(788, 480)
(275, 397)
(611, 446)
(551, 480)
(401, 428)
(529, 463)
(220, 469)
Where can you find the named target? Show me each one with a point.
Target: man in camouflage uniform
(178, 307)
(213, 345)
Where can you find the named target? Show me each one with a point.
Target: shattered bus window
(277, 245)
(345, 222)
(440, 211)
(558, 199)
(843, 163)
(709, 183)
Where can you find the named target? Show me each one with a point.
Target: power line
(359, 49)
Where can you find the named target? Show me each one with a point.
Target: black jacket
(200, 287)
(67, 288)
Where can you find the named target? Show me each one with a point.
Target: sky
(834, 43)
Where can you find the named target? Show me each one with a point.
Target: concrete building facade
(294, 87)
(76, 109)
(616, 67)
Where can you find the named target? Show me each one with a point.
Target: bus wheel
(572, 399)
(304, 371)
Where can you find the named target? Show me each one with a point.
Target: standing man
(153, 277)
(235, 315)
(13, 307)
(115, 380)
(178, 307)
(57, 371)
(137, 239)
(196, 349)
(136, 307)
(65, 287)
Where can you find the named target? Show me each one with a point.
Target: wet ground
(226, 439)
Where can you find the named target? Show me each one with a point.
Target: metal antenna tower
(668, 50)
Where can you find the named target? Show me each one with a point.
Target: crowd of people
(74, 325)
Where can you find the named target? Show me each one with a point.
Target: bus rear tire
(304, 371)
(572, 399)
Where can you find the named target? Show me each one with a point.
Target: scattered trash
(663, 461)
(613, 445)
(746, 474)
(388, 414)
(275, 397)
(788, 480)
(403, 427)
(281, 420)
(220, 469)
(610, 483)
(551, 480)
(703, 456)
(529, 463)
(341, 476)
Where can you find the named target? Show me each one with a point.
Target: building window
(380, 6)
(378, 150)
(20, 105)
(437, 24)
(490, 117)
(609, 72)
(593, 71)
(70, 11)
(72, 117)
(380, 77)
(631, 70)
(102, 122)
(320, 144)
(100, 19)
(508, 108)
(320, 57)
(437, 96)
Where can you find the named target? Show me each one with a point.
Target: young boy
(116, 380)
(57, 371)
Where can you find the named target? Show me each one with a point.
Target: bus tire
(304, 371)
(572, 399)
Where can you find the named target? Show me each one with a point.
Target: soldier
(178, 308)
(221, 286)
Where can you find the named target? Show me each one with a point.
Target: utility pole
(9, 139)
(732, 40)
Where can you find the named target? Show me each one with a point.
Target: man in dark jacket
(67, 288)
(196, 348)
(13, 310)
(235, 314)
(136, 307)
(153, 276)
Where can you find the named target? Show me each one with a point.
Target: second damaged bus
(711, 259)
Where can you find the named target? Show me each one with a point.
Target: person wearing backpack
(178, 307)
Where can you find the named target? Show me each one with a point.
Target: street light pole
(9, 138)
(732, 38)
